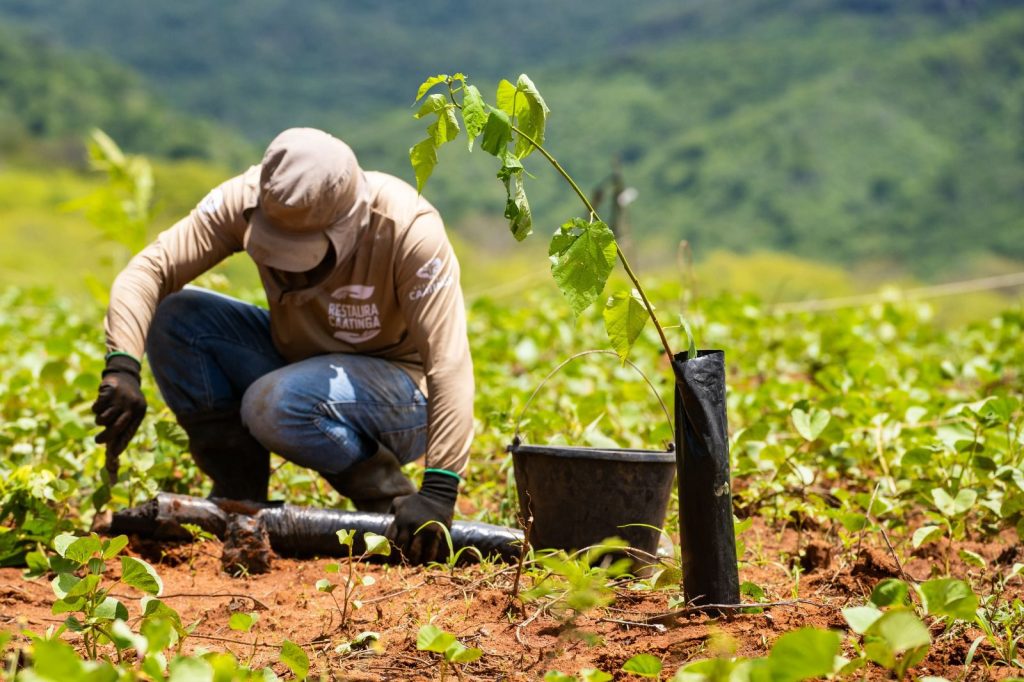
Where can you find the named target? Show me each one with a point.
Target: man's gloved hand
(120, 407)
(434, 502)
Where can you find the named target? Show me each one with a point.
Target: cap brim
(275, 248)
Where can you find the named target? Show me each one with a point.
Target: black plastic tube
(707, 537)
(294, 531)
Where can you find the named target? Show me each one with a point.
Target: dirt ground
(473, 603)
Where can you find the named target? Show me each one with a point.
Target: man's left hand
(416, 530)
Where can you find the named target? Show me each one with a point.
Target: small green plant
(197, 536)
(584, 675)
(643, 665)
(583, 251)
(453, 652)
(375, 545)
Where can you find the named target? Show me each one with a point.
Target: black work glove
(435, 501)
(120, 407)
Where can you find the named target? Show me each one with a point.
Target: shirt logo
(430, 269)
(353, 320)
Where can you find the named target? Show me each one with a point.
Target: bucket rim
(604, 454)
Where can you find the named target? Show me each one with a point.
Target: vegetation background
(873, 140)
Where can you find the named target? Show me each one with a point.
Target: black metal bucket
(580, 496)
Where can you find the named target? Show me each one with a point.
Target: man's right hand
(120, 407)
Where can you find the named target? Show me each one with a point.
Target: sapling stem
(594, 215)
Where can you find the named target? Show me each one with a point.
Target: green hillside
(848, 130)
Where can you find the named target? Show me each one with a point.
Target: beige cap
(312, 194)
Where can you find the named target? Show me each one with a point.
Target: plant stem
(593, 212)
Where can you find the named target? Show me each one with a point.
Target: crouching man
(360, 364)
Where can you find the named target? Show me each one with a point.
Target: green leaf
(64, 583)
(241, 621)
(113, 546)
(459, 653)
(594, 675)
(432, 638)
(950, 506)
(532, 117)
(890, 592)
(55, 660)
(110, 609)
(346, 537)
(429, 83)
(925, 534)
(376, 544)
(506, 97)
(901, 630)
(810, 424)
(582, 256)
(949, 597)
(62, 542)
(190, 669)
(861, 618)
(446, 128)
(497, 133)
(691, 340)
(803, 654)
(423, 157)
(972, 558)
(474, 115)
(517, 208)
(624, 319)
(325, 585)
(432, 105)
(140, 575)
(295, 658)
(644, 665)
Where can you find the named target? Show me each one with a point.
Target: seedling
(376, 545)
(197, 537)
(583, 251)
(453, 652)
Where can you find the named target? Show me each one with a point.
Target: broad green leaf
(446, 128)
(532, 118)
(972, 558)
(474, 116)
(62, 542)
(325, 585)
(190, 669)
(376, 544)
(944, 502)
(925, 534)
(594, 675)
(506, 98)
(497, 133)
(901, 630)
(582, 256)
(432, 105)
(111, 608)
(346, 537)
(964, 500)
(423, 157)
(140, 575)
(949, 597)
(55, 660)
(432, 638)
(429, 83)
(64, 583)
(293, 656)
(861, 618)
(113, 546)
(241, 621)
(890, 592)
(810, 424)
(803, 654)
(624, 319)
(83, 548)
(459, 653)
(644, 665)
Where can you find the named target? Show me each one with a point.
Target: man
(360, 364)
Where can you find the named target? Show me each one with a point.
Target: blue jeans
(212, 353)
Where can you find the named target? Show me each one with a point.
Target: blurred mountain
(848, 130)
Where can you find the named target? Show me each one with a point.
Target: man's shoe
(373, 483)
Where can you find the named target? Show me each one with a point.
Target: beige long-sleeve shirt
(397, 297)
